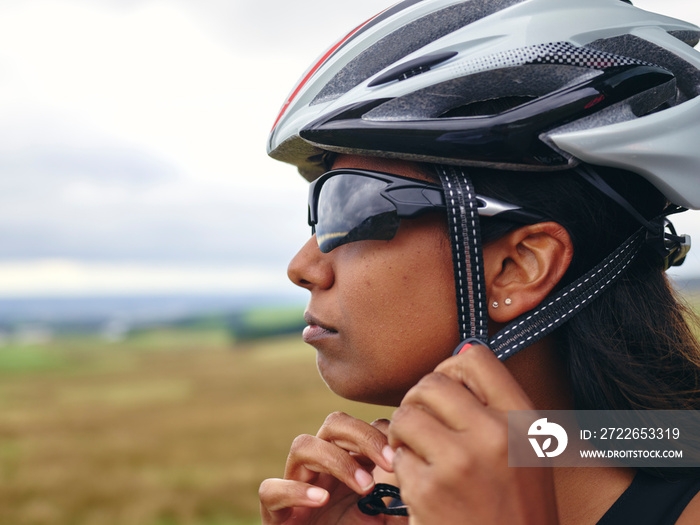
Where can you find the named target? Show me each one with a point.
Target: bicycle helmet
(581, 84)
(396, 84)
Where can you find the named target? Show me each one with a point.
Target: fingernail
(364, 479)
(316, 494)
(388, 454)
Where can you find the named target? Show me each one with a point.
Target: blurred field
(167, 427)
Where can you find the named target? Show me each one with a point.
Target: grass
(169, 427)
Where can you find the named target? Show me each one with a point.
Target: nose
(310, 268)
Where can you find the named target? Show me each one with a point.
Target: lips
(316, 329)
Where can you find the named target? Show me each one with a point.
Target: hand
(327, 474)
(451, 440)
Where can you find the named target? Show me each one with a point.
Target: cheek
(400, 301)
(404, 292)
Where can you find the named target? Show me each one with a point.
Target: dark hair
(631, 348)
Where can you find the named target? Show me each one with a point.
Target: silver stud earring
(495, 304)
(508, 301)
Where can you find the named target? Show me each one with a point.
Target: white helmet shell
(396, 86)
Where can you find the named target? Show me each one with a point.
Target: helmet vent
(484, 93)
(687, 75)
(487, 107)
(404, 41)
(412, 68)
(687, 37)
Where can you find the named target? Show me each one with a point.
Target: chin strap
(467, 258)
(373, 504)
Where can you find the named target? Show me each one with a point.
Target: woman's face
(382, 313)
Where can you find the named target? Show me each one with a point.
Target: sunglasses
(348, 205)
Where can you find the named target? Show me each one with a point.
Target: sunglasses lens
(350, 208)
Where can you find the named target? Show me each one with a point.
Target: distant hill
(134, 310)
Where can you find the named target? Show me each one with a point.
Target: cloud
(132, 132)
(97, 218)
(128, 133)
(63, 277)
(42, 169)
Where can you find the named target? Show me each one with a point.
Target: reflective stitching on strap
(477, 295)
(468, 291)
(581, 292)
(559, 297)
(464, 327)
(467, 261)
(463, 218)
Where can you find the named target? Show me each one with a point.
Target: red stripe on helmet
(317, 66)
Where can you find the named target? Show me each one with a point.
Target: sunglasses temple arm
(489, 207)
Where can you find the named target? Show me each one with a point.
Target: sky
(132, 142)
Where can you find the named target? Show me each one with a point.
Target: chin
(369, 397)
(363, 389)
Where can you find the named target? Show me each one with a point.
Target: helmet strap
(468, 263)
(467, 258)
(661, 235)
(567, 302)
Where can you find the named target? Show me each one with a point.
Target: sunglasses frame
(413, 197)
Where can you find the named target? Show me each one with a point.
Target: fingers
(280, 494)
(419, 431)
(451, 440)
(409, 465)
(439, 407)
(382, 425)
(358, 437)
(445, 398)
(325, 473)
(487, 378)
(310, 456)
(345, 448)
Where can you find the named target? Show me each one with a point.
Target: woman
(492, 177)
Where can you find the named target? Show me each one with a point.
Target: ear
(522, 268)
